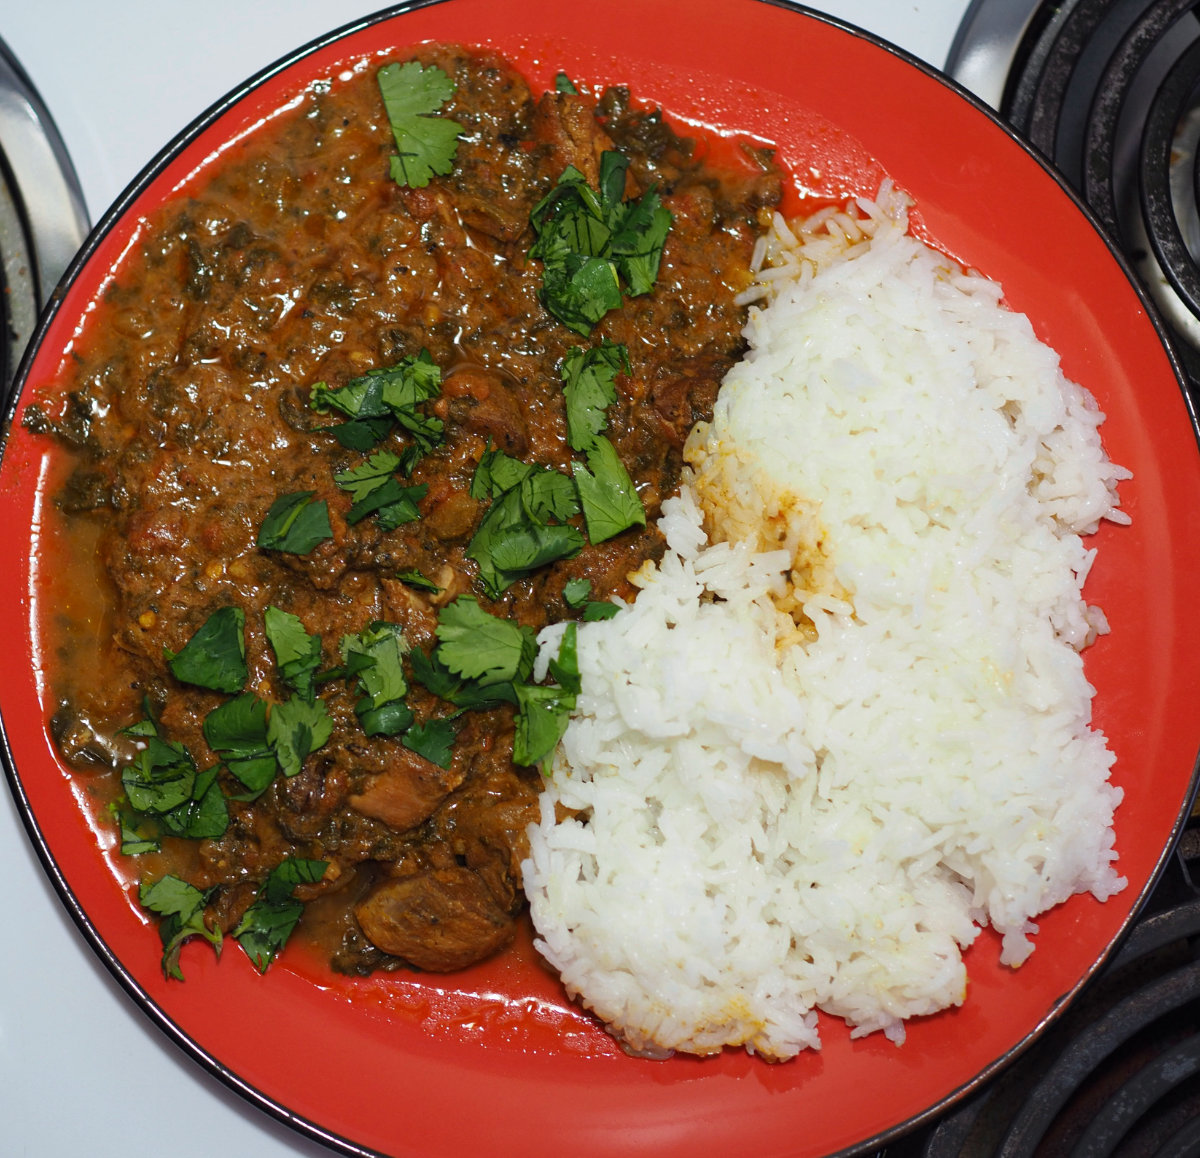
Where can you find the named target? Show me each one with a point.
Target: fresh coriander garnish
(589, 375)
(434, 740)
(237, 731)
(297, 654)
(295, 729)
(425, 142)
(525, 527)
(180, 907)
(295, 524)
(483, 647)
(576, 591)
(376, 657)
(268, 922)
(381, 397)
(415, 579)
(593, 243)
(215, 656)
(544, 710)
(164, 789)
(606, 492)
(594, 612)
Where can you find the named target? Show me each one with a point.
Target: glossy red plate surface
(495, 1061)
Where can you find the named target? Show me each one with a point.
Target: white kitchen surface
(77, 1057)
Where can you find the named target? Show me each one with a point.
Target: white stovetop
(121, 77)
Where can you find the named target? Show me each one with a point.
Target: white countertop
(121, 79)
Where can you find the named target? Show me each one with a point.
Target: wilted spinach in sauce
(373, 405)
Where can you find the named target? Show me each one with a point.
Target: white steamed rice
(846, 721)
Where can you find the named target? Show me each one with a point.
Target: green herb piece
(295, 524)
(438, 679)
(415, 579)
(134, 839)
(160, 777)
(606, 492)
(592, 243)
(368, 476)
(297, 654)
(589, 377)
(237, 731)
(576, 591)
(516, 535)
(434, 740)
(393, 503)
(376, 657)
(295, 729)
(215, 656)
(268, 923)
(483, 647)
(544, 712)
(594, 612)
(360, 433)
(387, 395)
(163, 788)
(564, 667)
(426, 143)
(180, 907)
(563, 83)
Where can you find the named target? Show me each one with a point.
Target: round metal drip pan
(43, 220)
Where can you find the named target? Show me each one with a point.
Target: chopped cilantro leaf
(295, 729)
(592, 243)
(542, 717)
(180, 907)
(160, 777)
(640, 230)
(564, 667)
(215, 656)
(433, 739)
(297, 654)
(426, 143)
(589, 377)
(436, 677)
(163, 789)
(237, 731)
(135, 840)
(204, 816)
(376, 657)
(393, 503)
(576, 591)
(295, 524)
(381, 397)
(515, 535)
(594, 612)
(610, 503)
(268, 923)
(415, 579)
(369, 475)
(480, 646)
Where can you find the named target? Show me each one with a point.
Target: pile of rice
(845, 722)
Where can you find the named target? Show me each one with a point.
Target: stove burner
(1118, 1075)
(1109, 90)
(42, 217)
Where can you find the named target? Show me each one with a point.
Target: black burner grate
(1109, 90)
(1119, 1074)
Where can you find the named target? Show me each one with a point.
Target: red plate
(495, 1060)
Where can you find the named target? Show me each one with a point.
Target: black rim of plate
(128, 199)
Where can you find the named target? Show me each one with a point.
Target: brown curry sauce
(187, 414)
